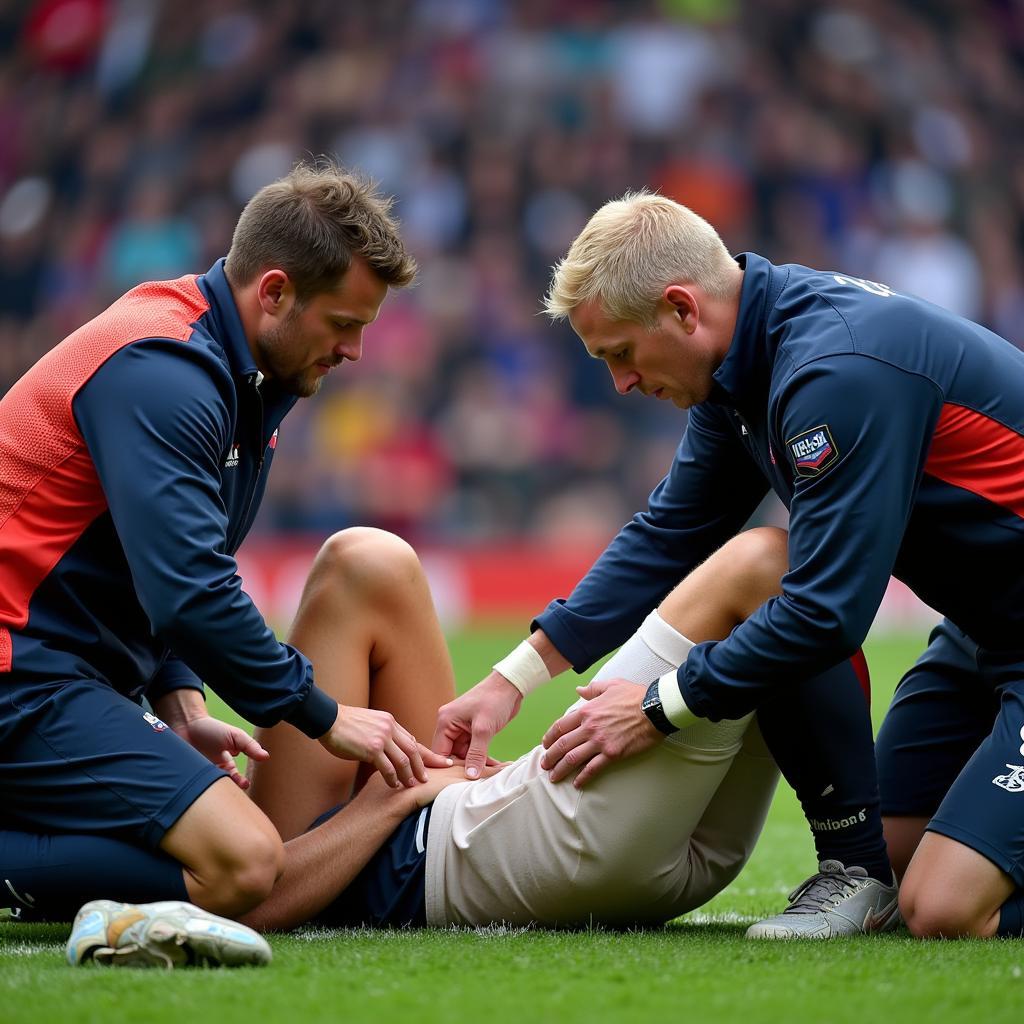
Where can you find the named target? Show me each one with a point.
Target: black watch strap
(654, 711)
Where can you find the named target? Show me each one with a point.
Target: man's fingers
(444, 737)
(569, 721)
(227, 763)
(245, 744)
(573, 759)
(477, 755)
(562, 746)
(386, 769)
(432, 759)
(402, 763)
(411, 747)
(594, 767)
(593, 689)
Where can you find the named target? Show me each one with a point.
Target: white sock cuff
(666, 642)
(672, 702)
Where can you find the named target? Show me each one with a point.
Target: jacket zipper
(261, 448)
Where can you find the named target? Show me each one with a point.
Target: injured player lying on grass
(651, 838)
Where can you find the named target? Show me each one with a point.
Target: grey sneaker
(836, 901)
(168, 934)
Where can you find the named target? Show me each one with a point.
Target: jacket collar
(228, 325)
(742, 379)
(224, 314)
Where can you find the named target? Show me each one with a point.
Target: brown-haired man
(133, 457)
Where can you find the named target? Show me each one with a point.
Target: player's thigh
(85, 759)
(641, 812)
(940, 713)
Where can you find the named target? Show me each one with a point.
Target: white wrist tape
(672, 702)
(524, 668)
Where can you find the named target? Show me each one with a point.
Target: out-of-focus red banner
(501, 582)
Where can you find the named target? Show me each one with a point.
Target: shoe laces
(830, 884)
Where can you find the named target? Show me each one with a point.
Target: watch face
(652, 699)
(655, 711)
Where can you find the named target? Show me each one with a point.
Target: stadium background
(875, 136)
(872, 136)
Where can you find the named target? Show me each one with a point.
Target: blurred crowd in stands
(872, 136)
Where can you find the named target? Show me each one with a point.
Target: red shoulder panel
(49, 492)
(973, 451)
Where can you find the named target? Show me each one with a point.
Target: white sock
(654, 649)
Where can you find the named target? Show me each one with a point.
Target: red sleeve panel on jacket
(975, 452)
(49, 492)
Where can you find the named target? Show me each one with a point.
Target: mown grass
(697, 969)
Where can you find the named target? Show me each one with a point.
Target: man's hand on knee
(609, 727)
(466, 725)
(363, 734)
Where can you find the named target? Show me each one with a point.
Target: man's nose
(625, 381)
(351, 349)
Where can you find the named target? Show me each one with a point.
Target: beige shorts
(650, 838)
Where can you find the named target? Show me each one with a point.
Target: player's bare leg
(367, 622)
(951, 891)
(732, 584)
(227, 870)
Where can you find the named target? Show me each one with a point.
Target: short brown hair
(311, 223)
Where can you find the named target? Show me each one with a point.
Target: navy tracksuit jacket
(133, 457)
(894, 433)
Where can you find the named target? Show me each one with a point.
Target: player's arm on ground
(710, 491)
(155, 418)
(321, 863)
(856, 433)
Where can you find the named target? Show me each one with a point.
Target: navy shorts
(390, 890)
(951, 747)
(78, 757)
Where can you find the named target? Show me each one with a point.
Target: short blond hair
(630, 250)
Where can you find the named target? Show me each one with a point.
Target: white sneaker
(836, 901)
(168, 934)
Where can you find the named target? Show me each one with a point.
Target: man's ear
(275, 292)
(684, 302)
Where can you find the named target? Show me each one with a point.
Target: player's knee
(761, 553)
(368, 562)
(933, 914)
(250, 871)
(754, 562)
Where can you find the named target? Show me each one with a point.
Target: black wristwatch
(654, 711)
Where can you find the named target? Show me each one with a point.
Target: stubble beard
(273, 347)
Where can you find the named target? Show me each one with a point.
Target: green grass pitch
(697, 969)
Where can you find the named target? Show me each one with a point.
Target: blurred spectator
(873, 136)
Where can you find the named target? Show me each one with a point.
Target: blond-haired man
(894, 432)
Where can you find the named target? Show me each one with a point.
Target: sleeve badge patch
(813, 451)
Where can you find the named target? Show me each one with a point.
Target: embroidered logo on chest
(813, 451)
